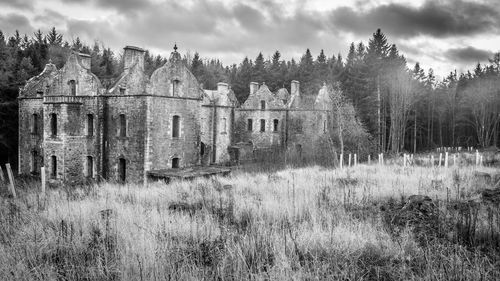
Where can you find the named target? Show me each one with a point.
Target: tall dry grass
(302, 223)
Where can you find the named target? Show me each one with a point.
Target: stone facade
(80, 131)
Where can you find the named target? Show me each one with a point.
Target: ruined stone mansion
(78, 130)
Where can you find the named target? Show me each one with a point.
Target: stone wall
(29, 140)
(130, 146)
(260, 139)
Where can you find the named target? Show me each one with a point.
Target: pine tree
(54, 38)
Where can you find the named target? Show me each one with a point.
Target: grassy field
(295, 224)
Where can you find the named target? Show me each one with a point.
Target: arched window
(176, 126)
(123, 126)
(122, 170)
(90, 167)
(90, 125)
(34, 162)
(53, 124)
(53, 164)
(175, 87)
(275, 125)
(175, 163)
(262, 125)
(250, 125)
(72, 87)
(262, 105)
(34, 125)
(224, 125)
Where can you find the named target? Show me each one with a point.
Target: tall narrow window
(262, 105)
(122, 170)
(53, 124)
(123, 125)
(262, 125)
(34, 126)
(224, 125)
(90, 166)
(250, 125)
(324, 126)
(53, 170)
(275, 125)
(176, 126)
(72, 87)
(175, 87)
(34, 162)
(90, 125)
(175, 163)
(122, 91)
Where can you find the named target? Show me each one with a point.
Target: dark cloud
(468, 54)
(21, 4)
(435, 18)
(124, 6)
(9, 23)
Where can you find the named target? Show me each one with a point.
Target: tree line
(401, 108)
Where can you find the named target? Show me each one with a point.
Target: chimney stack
(84, 60)
(131, 55)
(222, 87)
(295, 87)
(254, 86)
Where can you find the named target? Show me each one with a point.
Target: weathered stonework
(166, 121)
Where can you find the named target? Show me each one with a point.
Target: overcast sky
(442, 34)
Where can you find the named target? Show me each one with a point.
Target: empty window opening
(53, 170)
(123, 125)
(250, 125)
(262, 125)
(262, 104)
(176, 126)
(175, 87)
(34, 126)
(122, 170)
(53, 124)
(122, 91)
(224, 125)
(90, 166)
(34, 162)
(39, 93)
(175, 163)
(72, 87)
(324, 126)
(202, 149)
(90, 125)
(275, 125)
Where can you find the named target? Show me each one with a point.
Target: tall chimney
(84, 60)
(222, 87)
(131, 55)
(295, 87)
(254, 86)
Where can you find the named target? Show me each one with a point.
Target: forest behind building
(401, 107)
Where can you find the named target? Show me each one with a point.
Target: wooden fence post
(341, 160)
(446, 159)
(355, 159)
(2, 178)
(11, 180)
(432, 160)
(440, 159)
(42, 175)
(349, 165)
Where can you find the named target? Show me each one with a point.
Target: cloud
(12, 22)
(20, 4)
(468, 54)
(434, 18)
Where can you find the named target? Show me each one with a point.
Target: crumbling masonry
(79, 130)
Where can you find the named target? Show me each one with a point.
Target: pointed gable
(39, 85)
(260, 97)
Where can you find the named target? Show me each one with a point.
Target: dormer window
(175, 87)
(72, 87)
(262, 105)
(47, 88)
(122, 91)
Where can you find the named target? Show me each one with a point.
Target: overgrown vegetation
(301, 223)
